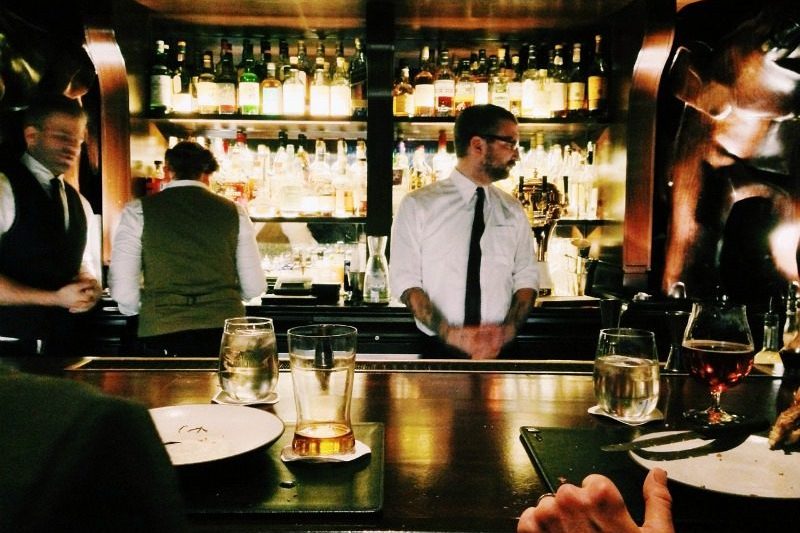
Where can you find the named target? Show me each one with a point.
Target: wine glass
(248, 359)
(718, 349)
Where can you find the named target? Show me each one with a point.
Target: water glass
(322, 360)
(248, 359)
(626, 374)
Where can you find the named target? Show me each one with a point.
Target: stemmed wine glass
(718, 350)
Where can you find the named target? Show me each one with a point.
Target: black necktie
(58, 205)
(472, 301)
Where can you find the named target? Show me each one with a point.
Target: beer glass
(322, 360)
(718, 348)
(248, 359)
(626, 375)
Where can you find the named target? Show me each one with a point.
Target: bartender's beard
(495, 169)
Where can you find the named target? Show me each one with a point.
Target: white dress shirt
(8, 212)
(125, 274)
(430, 248)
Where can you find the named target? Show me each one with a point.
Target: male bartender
(462, 251)
(45, 276)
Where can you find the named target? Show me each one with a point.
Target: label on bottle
(597, 89)
(481, 93)
(576, 95)
(226, 98)
(424, 101)
(444, 91)
(558, 98)
(248, 98)
(271, 101)
(160, 92)
(340, 101)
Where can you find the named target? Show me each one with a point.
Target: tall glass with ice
(626, 374)
(248, 359)
(322, 360)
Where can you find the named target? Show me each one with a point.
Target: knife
(709, 432)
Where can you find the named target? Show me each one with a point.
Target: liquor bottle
(424, 99)
(535, 100)
(319, 176)
(264, 59)
(182, 101)
(465, 88)
(400, 175)
(498, 90)
(358, 177)
(294, 94)
(558, 84)
(403, 95)
(305, 70)
(576, 90)
(271, 93)
(226, 84)
(444, 87)
(358, 81)
(480, 77)
(249, 84)
(769, 353)
(442, 162)
(319, 103)
(421, 172)
(160, 81)
(597, 82)
(515, 87)
(283, 64)
(207, 86)
(342, 185)
(791, 326)
(341, 105)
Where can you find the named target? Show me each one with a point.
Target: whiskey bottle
(444, 87)
(271, 93)
(319, 103)
(559, 81)
(206, 86)
(597, 81)
(576, 90)
(160, 81)
(249, 86)
(294, 93)
(358, 81)
(226, 84)
(403, 95)
(424, 96)
(341, 104)
(465, 88)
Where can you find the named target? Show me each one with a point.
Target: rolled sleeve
(252, 281)
(406, 249)
(526, 273)
(125, 272)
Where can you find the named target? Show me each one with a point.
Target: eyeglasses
(511, 141)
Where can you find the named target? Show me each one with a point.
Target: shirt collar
(466, 187)
(184, 183)
(39, 171)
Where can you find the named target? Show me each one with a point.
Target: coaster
(655, 415)
(361, 449)
(224, 398)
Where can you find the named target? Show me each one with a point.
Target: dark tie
(58, 205)
(472, 300)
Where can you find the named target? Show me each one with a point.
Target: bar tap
(547, 204)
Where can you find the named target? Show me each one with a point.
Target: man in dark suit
(45, 274)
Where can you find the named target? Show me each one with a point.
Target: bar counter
(453, 458)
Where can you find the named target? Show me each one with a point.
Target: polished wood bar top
(453, 457)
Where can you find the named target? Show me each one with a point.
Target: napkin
(655, 415)
(360, 450)
(224, 398)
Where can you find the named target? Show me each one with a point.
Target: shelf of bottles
(246, 113)
(560, 103)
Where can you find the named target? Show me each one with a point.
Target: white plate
(200, 433)
(750, 469)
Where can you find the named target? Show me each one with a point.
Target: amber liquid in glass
(719, 364)
(324, 439)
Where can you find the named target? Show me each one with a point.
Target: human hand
(80, 295)
(479, 342)
(597, 506)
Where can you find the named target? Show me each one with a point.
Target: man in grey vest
(45, 272)
(184, 259)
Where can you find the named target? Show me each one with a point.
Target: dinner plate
(201, 433)
(750, 469)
